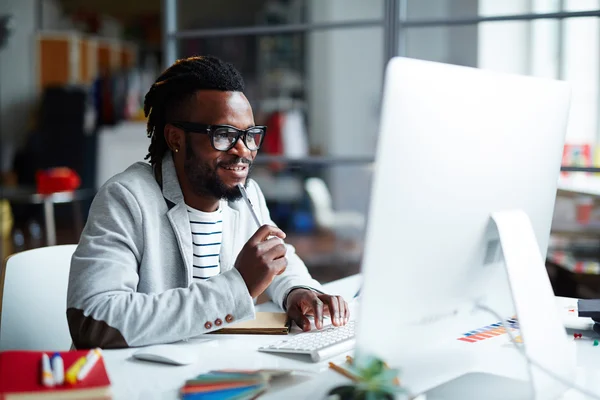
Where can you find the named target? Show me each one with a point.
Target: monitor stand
(446, 367)
(544, 337)
(503, 372)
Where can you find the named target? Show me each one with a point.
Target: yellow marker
(90, 360)
(71, 375)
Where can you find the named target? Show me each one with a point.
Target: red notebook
(20, 378)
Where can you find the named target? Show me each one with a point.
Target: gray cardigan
(131, 275)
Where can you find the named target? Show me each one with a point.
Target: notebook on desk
(217, 385)
(265, 323)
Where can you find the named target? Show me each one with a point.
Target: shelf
(575, 191)
(333, 160)
(321, 161)
(29, 195)
(570, 263)
(565, 168)
(571, 229)
(579, 186)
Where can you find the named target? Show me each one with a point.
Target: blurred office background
(73, 74)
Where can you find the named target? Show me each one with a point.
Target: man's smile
(235, 167)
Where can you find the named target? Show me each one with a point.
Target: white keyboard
(320, 345)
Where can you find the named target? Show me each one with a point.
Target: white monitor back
(456, 144)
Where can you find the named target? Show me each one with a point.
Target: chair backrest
(34, 299)
(320, 199)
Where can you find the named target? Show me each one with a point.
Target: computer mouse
(167, 354)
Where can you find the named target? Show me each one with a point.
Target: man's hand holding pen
(262, 259)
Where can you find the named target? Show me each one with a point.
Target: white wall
(345, 68)
(17, 88)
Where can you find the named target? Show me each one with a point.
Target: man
(170, 251)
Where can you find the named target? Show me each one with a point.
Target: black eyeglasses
(224, 137)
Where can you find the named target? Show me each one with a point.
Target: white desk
(132, 379)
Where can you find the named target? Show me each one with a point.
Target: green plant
(373, 380)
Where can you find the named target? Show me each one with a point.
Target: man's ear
(174, 137)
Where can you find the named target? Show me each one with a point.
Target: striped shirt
(207, 232)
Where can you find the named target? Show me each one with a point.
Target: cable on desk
(552, 374)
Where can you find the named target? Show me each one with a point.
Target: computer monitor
(463, 193)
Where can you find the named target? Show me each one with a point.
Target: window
(510, 36)
(325, 59)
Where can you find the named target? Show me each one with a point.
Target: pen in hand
(251, 208)
(249, 204)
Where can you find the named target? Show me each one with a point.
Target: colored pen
(343, 372)
(71, 375)
(249, 204)
(47, 379)
(58, 369)
(90, 360)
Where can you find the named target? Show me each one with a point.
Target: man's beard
(204, 178)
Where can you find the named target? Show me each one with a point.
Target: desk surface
(132, 379)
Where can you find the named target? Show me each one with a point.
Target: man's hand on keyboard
(304, 302)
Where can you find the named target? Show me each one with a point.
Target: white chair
(34, 299)
(346, 226)
(325, 216)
